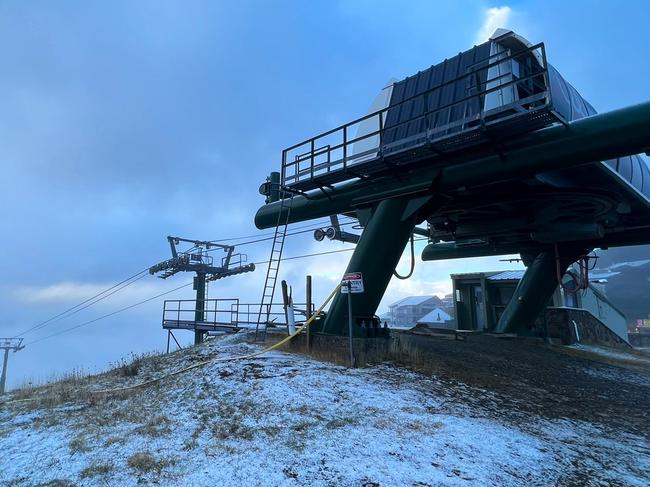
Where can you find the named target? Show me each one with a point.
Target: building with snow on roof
(407, 311)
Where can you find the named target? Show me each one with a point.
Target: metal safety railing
(223, 312)
(234, 260)
(183, 313)
(200, 257)
(337, 155)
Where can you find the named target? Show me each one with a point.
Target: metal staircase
(273, 268)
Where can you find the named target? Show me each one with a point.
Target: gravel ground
(530, 377)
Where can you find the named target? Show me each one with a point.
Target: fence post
(349, 286)
(308, 313)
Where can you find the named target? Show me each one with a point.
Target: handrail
(298, 174)
(240, 313)
(446, 83)
(424, 115)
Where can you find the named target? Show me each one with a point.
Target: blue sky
(123, 122)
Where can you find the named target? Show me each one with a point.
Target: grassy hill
(286, 419)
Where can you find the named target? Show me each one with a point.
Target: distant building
(448, 301)
(407, 311)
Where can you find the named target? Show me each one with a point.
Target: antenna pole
(7, 344)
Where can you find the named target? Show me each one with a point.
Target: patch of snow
(287, 420)
(610, 353)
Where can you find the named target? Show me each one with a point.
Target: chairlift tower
(197, 259)
(8, 344)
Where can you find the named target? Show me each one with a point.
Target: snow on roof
(507, 276)
(412, 301)
(435, 316)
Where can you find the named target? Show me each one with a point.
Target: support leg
(535, 288)
(199, 286)
(376, 255)
(308, 314)
(3, 377)
(176, 341)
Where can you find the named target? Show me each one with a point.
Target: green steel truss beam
(600, 137)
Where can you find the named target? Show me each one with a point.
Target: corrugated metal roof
(411, 301)
(507, 276)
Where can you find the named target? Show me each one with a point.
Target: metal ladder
(273, 269)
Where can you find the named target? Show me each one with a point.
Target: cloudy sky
(124, 122)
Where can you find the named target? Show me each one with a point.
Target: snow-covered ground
(284, 419)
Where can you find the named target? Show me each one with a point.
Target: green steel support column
(379, 249)
(199, 286)
(274, 181)
(534, 290)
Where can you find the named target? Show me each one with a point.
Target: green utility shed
(481, 297)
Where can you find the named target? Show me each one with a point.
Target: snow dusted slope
(288, 420)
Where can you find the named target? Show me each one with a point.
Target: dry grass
(132, 365)
(271, 431)
(382, 423)
(78, 445)
(145, 462)
(96, 469)
(202, 424)
(113, 440)
(56, 483)
(341, 423)
(303, 426)
(73, 386)
(297, 444)
(17, 481)
(232, 429)
(57, 390)
(155, 427)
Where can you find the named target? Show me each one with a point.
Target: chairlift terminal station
(496, 152)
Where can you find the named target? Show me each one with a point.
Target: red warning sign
(356, 282)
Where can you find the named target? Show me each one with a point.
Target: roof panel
(507, 276)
